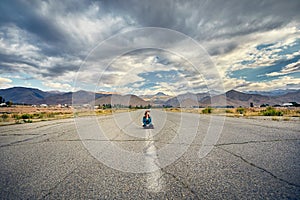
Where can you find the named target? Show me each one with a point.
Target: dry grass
(28, 114)
(242, 112)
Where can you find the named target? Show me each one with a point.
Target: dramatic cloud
(5, 82)
(58, 86)
(252, 43)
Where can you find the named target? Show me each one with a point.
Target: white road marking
(155, 181)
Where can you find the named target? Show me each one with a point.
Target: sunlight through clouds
(50, 40)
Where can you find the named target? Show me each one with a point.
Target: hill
(156, 99)
(236, 99)
(186, 100)
(118, 99)
(23, 95)
(77, 98)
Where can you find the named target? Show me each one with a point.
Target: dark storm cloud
(210, 19)
(13, 62)
(220, 49)
(24, 15)
(61, 69)
(43, 27)
(206, 20)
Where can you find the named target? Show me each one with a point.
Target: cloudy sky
(104, 45)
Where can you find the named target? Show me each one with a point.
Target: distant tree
(149, 106)
(129, 106)
(9, 103)
(264, 105)
(251, 105)
(2, 100)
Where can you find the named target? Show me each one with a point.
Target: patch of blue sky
(247, 62)
(142, 85)
(264, 46)
(295, 75)
(160, 76)
(285, 50)
(290, 49)
(24, 80)
(259, 74)
(149, 85)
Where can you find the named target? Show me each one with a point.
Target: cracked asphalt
(253, 159)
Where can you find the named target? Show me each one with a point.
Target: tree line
(108, 106)
(7, 103)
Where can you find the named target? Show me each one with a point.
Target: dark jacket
(146, 121)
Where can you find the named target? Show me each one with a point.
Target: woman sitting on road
(147, 119)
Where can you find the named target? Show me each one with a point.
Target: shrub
(50, 115)
(26, 116)
(39, 115)
(228, 111)
(270, 111)
(4, 116)
(207, 110)
(241, 110)
(16, 116)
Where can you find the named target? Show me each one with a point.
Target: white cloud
(5, 82)
(58, 86)
(290, 68)
(280, 83)
(246, 49)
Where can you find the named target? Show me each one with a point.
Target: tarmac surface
(113, 157)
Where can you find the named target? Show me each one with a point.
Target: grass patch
(27, 116)
(4, 116)
(175, 109)
(241, 110)
(104, 112)
(50, 115)
(229, 111)
(270, 111)
(18, 122)
(275, 119)
(207, 110)
(16, 116)
(27, 121)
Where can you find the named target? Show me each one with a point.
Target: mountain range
(22, 95)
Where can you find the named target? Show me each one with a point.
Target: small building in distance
(3, 105)
(291, 104)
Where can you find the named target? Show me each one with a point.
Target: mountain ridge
(25, 95)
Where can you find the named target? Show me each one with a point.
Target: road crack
(20, 141)
(258, 167)
(58, 183)
(185, 185)
(257, 141)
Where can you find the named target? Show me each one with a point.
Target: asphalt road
(112, 157)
